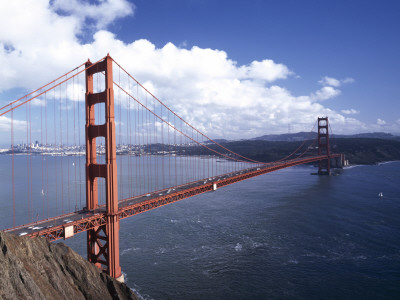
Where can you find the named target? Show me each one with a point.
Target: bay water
(283, 235)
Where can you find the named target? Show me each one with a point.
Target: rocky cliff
(36, 269)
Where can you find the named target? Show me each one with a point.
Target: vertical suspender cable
(30, 157)
(135, 160)
(120, 179)
(155, 157)
(12, 164)
(42, 158)
(27, 162)
(61, 154)
(130, 144)
(79, 156)
(169, 154)
(136, 142)
(127, 143)
(176, 154)
(148, 149)
(68, 162)
(162, 152)
(55, 145)
(75, 146)
(47, 157)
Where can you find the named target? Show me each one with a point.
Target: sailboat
(380, 195)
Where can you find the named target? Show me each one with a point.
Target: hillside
(301, 136)
(367, 150)
(32, 268)
(357, 150)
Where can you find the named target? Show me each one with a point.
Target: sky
(236, 69)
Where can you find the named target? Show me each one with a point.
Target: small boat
(42, 192)
(380, 195)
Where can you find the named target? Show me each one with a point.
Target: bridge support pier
(324, 166)
(103, 241)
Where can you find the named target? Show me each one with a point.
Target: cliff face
(35, 269)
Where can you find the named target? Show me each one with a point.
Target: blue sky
(357, 39)
(280, 62)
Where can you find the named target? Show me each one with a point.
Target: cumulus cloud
(325, 93)
(380, 122)
(266, 70)
(386, 126)
(350, 111)
(5, 124)
(330, 81)
(101, 14)
(39, 41)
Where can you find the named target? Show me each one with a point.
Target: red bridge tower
(324, 166)
(102, 241)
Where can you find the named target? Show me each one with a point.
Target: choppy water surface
(281, 235)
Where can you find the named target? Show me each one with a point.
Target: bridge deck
(67, 225)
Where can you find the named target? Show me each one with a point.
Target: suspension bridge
(139, 155)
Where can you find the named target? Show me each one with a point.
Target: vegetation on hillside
(367, 150)
(356, 150)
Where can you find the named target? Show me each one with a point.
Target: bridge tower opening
(103, 240)
(324, 166)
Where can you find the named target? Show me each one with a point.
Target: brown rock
(33, 268)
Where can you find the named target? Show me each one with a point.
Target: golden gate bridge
(140, 155)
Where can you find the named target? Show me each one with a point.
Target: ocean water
(283, 235)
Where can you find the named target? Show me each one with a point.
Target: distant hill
(219, 141)
(287, 137)
(373, 135)
(301, 136)
(367, 150)
(357, 150)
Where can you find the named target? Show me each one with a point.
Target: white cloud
(102, 14)
(330, 81)
(203, 85)
(348, 80)
(380, 122)
(325, 93)
(38, 102)
(266, 70)
(5, 124)
(350, 111)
